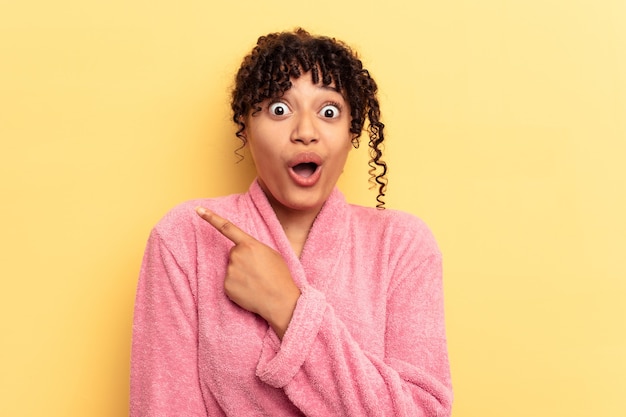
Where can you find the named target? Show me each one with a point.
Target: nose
(305, 129)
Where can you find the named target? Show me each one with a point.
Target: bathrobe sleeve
(325, 372)
(164, 369)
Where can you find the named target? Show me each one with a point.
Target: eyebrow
(330, 87)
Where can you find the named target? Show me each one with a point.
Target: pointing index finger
(225, 227)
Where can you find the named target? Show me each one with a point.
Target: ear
(355, 141)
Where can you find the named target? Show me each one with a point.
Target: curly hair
(279, 57)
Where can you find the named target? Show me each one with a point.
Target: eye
(330, 111)
(278, 109)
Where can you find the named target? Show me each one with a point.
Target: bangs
(278, 74)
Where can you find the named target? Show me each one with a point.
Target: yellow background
(506, 133)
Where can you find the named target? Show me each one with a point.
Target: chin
(303, 204)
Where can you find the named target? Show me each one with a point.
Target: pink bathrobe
(367, 337)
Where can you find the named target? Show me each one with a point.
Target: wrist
(280, 313)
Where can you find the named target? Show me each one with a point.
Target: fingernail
(200, 210)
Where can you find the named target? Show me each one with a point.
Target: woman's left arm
(324, 371)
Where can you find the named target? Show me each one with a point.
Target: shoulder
(398, 228)
(182, 222)
(183, 234)
(386, 216)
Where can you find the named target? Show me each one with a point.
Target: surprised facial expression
(299, 144)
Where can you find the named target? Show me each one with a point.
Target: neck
(296, 225)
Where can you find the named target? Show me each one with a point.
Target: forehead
(306, 81)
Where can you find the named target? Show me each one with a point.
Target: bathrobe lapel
(324, 248)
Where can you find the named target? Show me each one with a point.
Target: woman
(299, 303)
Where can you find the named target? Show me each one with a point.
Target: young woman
(287, 300)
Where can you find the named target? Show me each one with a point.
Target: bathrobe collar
(325, 243)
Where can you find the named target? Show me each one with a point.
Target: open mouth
(305, 169)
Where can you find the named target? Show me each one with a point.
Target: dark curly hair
(277, 57)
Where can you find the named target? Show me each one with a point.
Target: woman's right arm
(164, 361)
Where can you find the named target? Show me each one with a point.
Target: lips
(305, 169)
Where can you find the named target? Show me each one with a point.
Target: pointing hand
(257, 278)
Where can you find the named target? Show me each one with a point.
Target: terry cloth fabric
(366, 338)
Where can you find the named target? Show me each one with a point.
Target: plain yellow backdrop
(506, 133)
